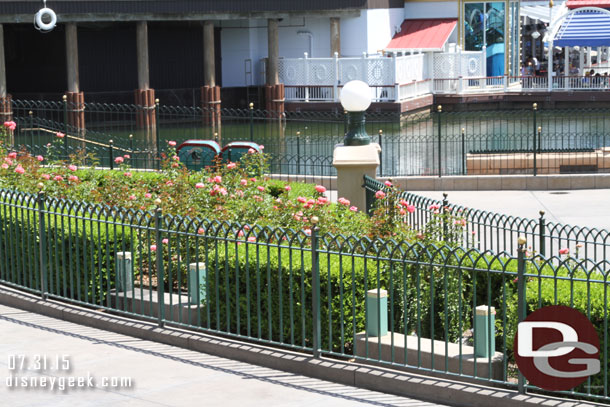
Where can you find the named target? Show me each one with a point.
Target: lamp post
(355, 99)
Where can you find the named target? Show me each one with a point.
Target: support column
(6, 111)
(210, 93)
(274, 91)
(144, 95)
(75, 99)
(335, 36)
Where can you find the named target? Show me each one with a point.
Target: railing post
(159, 261)
(111, 154)
(65, 99)
(380, 153)
(463, 152)
(336, 82)
(157, 133)
(535, 108)
(521, 304)
(306, 70)
(251, 121)
(315, 268)
(542, 233)
(439, 110)
(539, 140)
(298, 153)
(42, 246)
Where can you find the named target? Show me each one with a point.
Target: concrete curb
(355, 374)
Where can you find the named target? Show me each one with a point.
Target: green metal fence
(298, 289)
(526, 141)
(499, 233)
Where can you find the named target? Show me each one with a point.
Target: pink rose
(388, 184)
(165, 241)
(58, 178)
(288, 188)
(322, 200)
(39, 158)
(307, 232)
(11, 125)
(200, 231)
(230, 166)
(153, 247)
(217, 179)
(261, 188)
(199, 185)
(73, 178)
(4, 166)
(132, 197)
(171, 143)
(565, 250)
(19, 169)
(119, 160)
(46, 176)
(320, 189)
(176, 158)
(12, 155)
(128, 174)
(301, 200)
(379, 194)
(353, 209)
(175, 165)
(72, 167)
(148, 195)
(343, 201)
(127, 156)
(251, 239)
(222, 191)
(59, 134)
(251, 151)
(243, 182)
(8, 161)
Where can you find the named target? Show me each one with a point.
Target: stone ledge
(434, 389)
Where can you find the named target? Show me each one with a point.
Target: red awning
(426, 34)
(588, 3)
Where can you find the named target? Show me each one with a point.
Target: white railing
(415, 89)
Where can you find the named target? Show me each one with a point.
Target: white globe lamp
(355, 99)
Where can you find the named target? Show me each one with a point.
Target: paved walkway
(583, 207)
(147, 373)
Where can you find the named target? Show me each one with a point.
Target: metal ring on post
(41, 25)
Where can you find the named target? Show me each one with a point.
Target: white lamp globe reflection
(355, 99)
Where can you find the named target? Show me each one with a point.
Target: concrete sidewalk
(582, 207)
(149, 373)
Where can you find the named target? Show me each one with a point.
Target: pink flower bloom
(165, 241)
(72, 167)
(251, 239)
(311, 201)
(257, 198)
(199, 185)
(59, 134)
(288, 188)
(171, 143)
(388, 184)
(301, 199)
(39, 158)
(240, 233)
(8, 161)
(379, 194)
(175, 165)
(410, 208)
(252, 179)
(19, 169)
(217, 179)
(58, 178)
(353, 208)
(11, 125)
(153, 247)
(251, 151)
(119, 160)
(200, 231)
(320, 189)
(307, 232)
(176, 158)
(132, 197)
(73, 178)
(565, 250)
(262, 147)
(434, 207)
(261, 188)
(128, 174)
(244, 182)
(46, 176)
(222, 191)
(4, 166)
(230, 166)
(148, 195)
(343, 201)
(169, 183)
(402, 212)
(12, 155)
(127, 156)
(322, 200)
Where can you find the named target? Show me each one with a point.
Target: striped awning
(585, 29)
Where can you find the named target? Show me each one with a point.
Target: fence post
(539, 140)
(380, 153)
(542, 229)
(157, 133)
(42, 246)
(251, 121)
(439, 110)
(31, 114)
(535, 108)
(298, 153)
(65, 99)
(131, 145)
(306, 69)
(315, 269)
(463, 152)
(521, 304)
(111, 154)
(160, 273)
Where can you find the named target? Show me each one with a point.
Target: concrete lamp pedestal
(352, 164)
